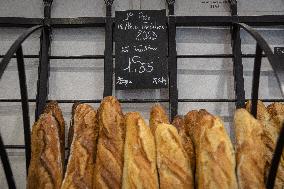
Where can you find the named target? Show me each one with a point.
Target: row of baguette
(110, 150)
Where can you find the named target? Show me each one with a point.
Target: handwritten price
(136, 65)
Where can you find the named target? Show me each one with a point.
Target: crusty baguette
(139, 169)
(215, 157)
(271, 123)
(172, 160)
(179, 123)
(157, 115)
(276, 111)
(81, 162)
(250, 150)
(109, 159)
(46, 169)
(54, 108)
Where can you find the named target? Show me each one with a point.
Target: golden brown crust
(81, 162)
(139, 169)
(45, 170)
(215, 158)
(270, 118)
(157, 115)
(172, 160)
(109, 160)
(250, 151)
(179, 123)
(54, 108)
(276, 111)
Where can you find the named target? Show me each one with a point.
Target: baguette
(54, 108)
(276, 111)
(139, 169)
(46, 169)
(157, 116)
(179, 123)
(271, 129)
(172, 160)
(81, 162)
(215, 158)
(250, 150)
(109, 160)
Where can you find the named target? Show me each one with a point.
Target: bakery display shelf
(46, 24)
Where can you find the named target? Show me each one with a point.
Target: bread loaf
(276, 111)
(109, 160)
(215, 157)
(54, 108)
(46, 169)
(157, 115)
(271, 125)
(179, 123)
(81, 162)
(250, 150)
(139, 169)
(173, 163)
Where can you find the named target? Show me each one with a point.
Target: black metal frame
(47, 23)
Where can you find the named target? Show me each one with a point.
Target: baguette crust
(139, 169)
(172, 160)
(80, 168)
(276, 111)
(271, 122)
(179, 123)
(109, 160)
(215, 157)
(54, 108)
(157, 116)
(250, 151)
(45, 170)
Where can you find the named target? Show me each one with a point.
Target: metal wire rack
(45, 25)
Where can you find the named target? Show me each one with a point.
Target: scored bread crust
(157, 115)
(270, 118)
(179, 123)
(139, 169)
(45, 170)
(54, 108)
(109, 159)
(215, 157)
(276, 111)
(250, 150)
(172, 160)
(81, 162)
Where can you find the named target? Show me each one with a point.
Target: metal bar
(266, 20)
(108, 59)
(275, 160)
(113, 56)
(172, 62)
(255, 81)
(77, 22)
(6, 165)
(43, 69)
(5, 61)
(43, 74)
(25, 105)
(19, 22)
(142, 100)
(237, 59)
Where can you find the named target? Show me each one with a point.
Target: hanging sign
(141, 49)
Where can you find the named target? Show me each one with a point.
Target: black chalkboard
(279, 51)
(141, 49)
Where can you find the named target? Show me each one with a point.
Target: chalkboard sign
(279, 51)
(141, 49)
